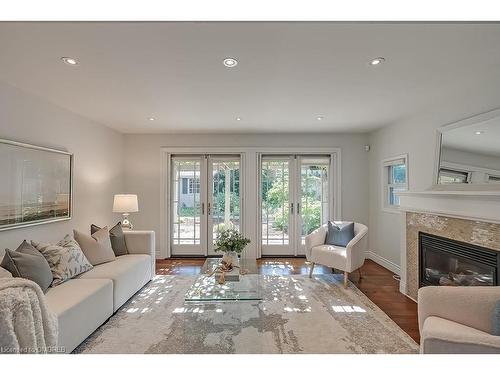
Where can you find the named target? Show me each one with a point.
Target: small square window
(194, 186)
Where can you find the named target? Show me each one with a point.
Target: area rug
(296, 315)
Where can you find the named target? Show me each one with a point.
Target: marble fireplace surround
(472, 217)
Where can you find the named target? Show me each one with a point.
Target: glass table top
(207, 288)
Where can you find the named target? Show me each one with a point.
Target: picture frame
(37, 185)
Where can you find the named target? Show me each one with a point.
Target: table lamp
(125, 204)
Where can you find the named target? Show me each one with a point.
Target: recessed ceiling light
(238, 118)
(230, 62)
(377, 61)
(69, 61)
(319, 118)
(478, 132)
(151, 118)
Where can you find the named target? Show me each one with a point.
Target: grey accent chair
(457, 320)
(347, 259)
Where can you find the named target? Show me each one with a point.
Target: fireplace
(443, 261)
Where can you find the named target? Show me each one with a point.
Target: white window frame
(249, 190)
(193, 185)
(387, 185)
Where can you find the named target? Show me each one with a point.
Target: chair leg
(311, 270)
(346, 278)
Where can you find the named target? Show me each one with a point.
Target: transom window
(494, 179)
(451, 176)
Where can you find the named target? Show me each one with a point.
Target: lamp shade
(125, 203)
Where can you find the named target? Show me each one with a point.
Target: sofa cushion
(129, 273)
(330, 256)
(339, 234)
(81, 307)
(27, 262)
(66, 259)
(117, 238)
(442, 336)
(97, 248)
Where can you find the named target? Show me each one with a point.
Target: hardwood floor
(377, 284)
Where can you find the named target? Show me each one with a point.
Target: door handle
(209, 210)
(203, 208)
(291, 208)
(298, 208)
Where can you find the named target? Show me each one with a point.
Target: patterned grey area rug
(297, 315)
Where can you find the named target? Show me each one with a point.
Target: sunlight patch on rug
(296, 315)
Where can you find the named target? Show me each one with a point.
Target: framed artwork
(35, 185)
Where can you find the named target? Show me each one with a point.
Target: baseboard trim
(386, 263)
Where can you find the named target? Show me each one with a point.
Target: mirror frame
(476, 119)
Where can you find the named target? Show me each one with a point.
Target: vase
(230, 258)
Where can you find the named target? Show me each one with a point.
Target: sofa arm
(441, 336)
(142, 242)
(356, 248)
(4, 273)
(315, 238)
(469, 305)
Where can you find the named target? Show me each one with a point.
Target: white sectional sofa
(84, 303)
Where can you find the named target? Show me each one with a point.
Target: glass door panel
(188, 216)
(295, 201)
(313, 207)
(275, 206)
(224, 197)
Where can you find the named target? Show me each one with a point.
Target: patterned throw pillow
(66, 259)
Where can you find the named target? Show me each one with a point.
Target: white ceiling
(288, 73)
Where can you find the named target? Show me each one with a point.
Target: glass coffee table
(207, 288)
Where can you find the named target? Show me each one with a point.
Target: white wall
(143, 169)
(417, 137)
(98, 165)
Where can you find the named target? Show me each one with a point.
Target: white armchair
(347, 259)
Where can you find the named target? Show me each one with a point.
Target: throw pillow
(117, 238)
(66, 259)
(496, 319)
(27, 262)
(339, 235)
(97, 248)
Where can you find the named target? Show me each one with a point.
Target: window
(451, 176)
(194, 186)
(190, 185)
(493, 179)
(395, 180)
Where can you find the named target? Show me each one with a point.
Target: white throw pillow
(97, 248)
(66, 259)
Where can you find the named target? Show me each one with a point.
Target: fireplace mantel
(471, 205)
(467, 216)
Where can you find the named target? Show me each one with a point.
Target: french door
(295, 199)
(205, 199)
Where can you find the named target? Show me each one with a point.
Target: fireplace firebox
(443, 261)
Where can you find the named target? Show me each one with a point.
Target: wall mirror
(36, 185)
(469, 152)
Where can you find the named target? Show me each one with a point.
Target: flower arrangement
(231, 241)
